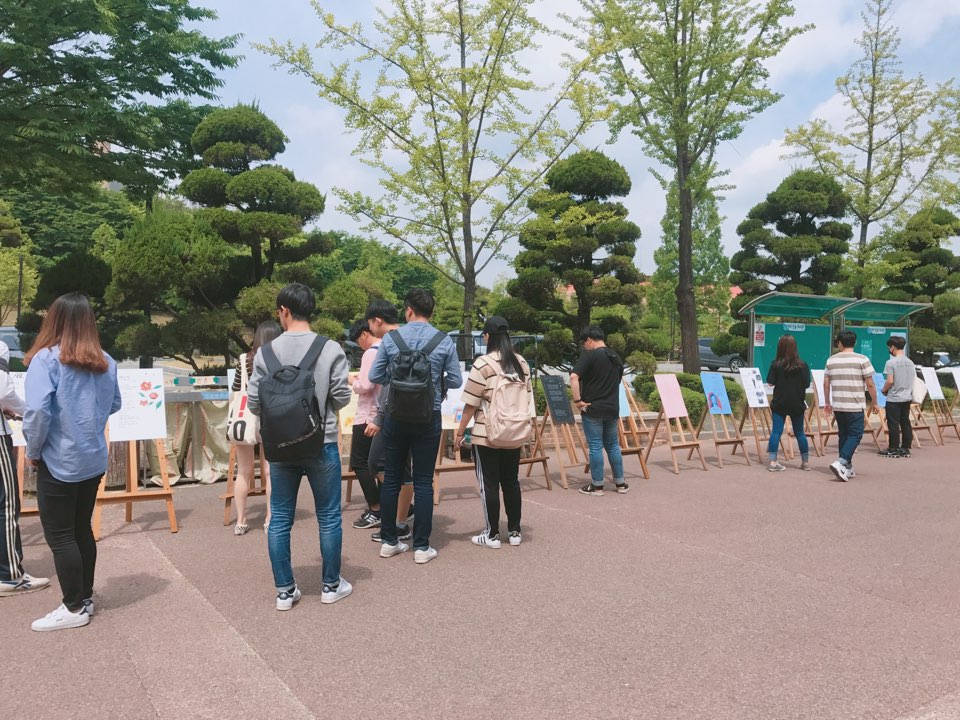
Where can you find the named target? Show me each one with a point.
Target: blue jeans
(779, 421)
(849, 434)
(420, 444)
(601, 434)
(323, 474)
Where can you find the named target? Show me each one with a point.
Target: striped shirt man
(848, 373)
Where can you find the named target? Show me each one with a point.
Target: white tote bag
(243, 427)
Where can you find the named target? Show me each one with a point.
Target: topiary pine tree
(248, 201)
(576, 266)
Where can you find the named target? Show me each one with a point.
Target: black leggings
(360, 464)
(499, 468)
(66, 509)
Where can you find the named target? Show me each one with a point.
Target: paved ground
(728, 594)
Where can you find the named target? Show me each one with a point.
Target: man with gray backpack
(415, 363)
(299, 382)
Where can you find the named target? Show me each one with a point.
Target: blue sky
(319, 149)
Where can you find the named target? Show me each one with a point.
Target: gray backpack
(291, 419)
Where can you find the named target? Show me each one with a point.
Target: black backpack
(291, 419)
(410, 398)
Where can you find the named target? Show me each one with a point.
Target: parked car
(11, 337)
(941, 359)
(710, 360)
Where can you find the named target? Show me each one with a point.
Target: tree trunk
(583, 317)
(256, 253)
(686, 302)
(469, 302)
(861, 258)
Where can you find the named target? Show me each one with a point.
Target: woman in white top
(266, 331)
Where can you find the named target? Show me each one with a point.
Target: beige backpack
(507, 413)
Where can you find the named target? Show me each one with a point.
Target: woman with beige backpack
(243, 429)
(497, 398)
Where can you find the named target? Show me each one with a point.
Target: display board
(955, 371)
(819, 380)
(555, 390)
(718, 403)
(879, 381)
(671, 399)
(872, 342)
(624, 403)
(143, 414)
(18, 380)
(451, 409)
(814, 343)
(753, 387)
(933, 383)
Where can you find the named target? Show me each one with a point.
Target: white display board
(956, 377)
(933, 383)
(451, 409)
(753, 387)
(143, 415)
(19, 381)
(819, 380)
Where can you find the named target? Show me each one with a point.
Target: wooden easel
(132, 492)
(634, 435)
(944, 419)
(21, 477)
(879, 431)
(454, 465)
(826, 426)
(807, 430)
(731, 435)
(260, 487)
(563, 440)
(920, 424)
(677, 425)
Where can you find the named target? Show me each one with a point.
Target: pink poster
(670, 397)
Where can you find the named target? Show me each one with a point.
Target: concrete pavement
(733, 593)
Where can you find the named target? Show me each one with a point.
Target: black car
(11, 336)
(710, 360)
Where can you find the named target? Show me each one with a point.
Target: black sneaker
(369, 519)
(404, 532)
(623, 488)
(903, 453)
(889, 453)
(591, 489)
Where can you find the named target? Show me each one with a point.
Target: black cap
(495, 324)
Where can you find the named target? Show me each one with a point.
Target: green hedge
(948, 393)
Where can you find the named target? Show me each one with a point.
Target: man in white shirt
(13, 580)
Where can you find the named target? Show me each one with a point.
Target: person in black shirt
(790, 378)
(595, 384)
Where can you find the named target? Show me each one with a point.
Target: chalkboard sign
(557, 399)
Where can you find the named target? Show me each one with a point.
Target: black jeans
(360, 464)
(66, 509)
(420, 443)
(499, 468)
(898, 423)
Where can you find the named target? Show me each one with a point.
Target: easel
(878, 432)
(831, 429)
(633, 431)
(683, 442)
(562, 440)
(807, 429)
(920, 424)
(21, 477)
(944, 419)
(132, 492)
(260, 488)
(453, 466)
(734, 438)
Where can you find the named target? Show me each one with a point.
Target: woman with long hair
(790, 378)
(71, 391)
(497, 464)
(265, 332)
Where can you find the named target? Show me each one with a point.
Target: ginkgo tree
(448, 114)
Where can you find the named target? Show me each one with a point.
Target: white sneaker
(329, 595)
(516, 538)
(484, 540)
(387, 551)
(286, 599)
(840, 470)
(60, 619)
(88, 607)
(22, 585)
(422, 557)
(850, 473)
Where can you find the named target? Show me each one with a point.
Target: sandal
(241, 529)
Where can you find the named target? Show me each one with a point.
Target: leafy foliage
(79, 84)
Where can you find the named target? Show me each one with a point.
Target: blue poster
(716, 393)
(879, 381)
